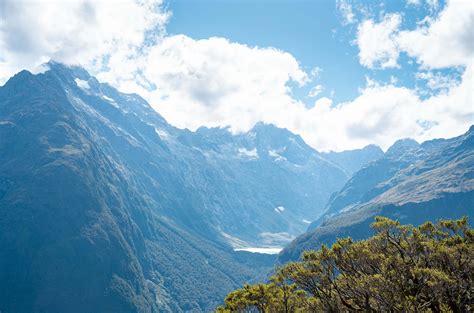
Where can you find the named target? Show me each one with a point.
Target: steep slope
(106, 207)
(412, 183)
(362, 185)
(80, 229)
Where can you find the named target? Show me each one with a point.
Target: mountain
(80, 231)
(277, 182)
(362, 185)
(105, 207)
(411, 183)
(353, 160)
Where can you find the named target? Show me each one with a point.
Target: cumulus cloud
(377, 45)
(444, 41)
(217, 82)
(437, 81)
(382, 113)
(75, 31)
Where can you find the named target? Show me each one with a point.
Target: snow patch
(274, 154)
(248, 153)
(108, 98)
(252, 135)
(279, 209)
(306, 222)
(163, 135)
(111, 101)
(82, 83)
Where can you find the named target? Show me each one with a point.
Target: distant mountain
(412, 183)
(362, 185)
(353, 160)
(270, 179)
(105, 207)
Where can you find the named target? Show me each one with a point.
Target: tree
(401, 268)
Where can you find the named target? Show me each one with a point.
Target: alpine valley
(106, 207)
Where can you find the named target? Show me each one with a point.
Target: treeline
(401, 268)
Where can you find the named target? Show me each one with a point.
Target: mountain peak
(372, 147)
(72, 74)
(216, 134)
(19, 77)
(266, 127)
(353, 160)
(77, 70)
(270, 131)
(402, 145)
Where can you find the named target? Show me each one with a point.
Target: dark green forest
(401, 268)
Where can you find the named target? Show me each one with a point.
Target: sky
(342, 74)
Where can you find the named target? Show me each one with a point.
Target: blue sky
(343, 74)
(314, 32)
(302, 28)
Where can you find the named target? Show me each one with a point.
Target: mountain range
(105, 207)
(412, 183)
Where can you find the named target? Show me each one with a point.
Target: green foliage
(429, 268)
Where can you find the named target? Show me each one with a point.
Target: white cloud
(377, 45)
(315, 91)
(437, 81)
(383, 113)
(216, 82)
(74, 31)
(316, 72)
(414, 2)
(346, 11)
(444, 41)
(433, 4)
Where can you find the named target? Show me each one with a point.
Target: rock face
(412, 183)
(105, 207)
